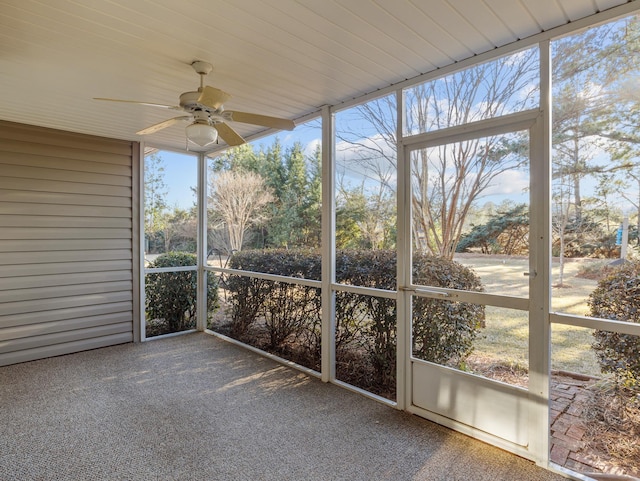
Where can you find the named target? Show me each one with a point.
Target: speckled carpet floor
(197, 408)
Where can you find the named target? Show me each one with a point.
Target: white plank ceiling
(284, 58)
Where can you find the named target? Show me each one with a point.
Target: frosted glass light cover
(201, 134)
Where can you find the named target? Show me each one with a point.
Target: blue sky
(180, 175)
(181, 170)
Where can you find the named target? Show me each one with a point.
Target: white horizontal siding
(45, 328)
(45, 257)
(59, 221)
(9, 309)
(78, 176)
(45, 318)
(65, 267)
(62, 233)
(41, 294)
(53, 141)
(48, 245)
(51, 162)
(96, 212)
(30, 282)
(66, 242)
(63, 198)
(66, 187)
(78, 334)
(58, 349)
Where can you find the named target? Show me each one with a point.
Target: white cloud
(311, 146)
(364, 163)
(510, 183)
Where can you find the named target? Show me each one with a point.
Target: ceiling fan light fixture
(201, 133)
(205, 109)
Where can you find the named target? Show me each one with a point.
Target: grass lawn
(504, 341)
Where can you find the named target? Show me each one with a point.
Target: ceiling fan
(207, 115)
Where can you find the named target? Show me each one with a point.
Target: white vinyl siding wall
(67, 264)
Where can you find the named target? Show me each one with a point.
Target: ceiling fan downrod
(202, 68)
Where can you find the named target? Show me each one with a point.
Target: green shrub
(617, 297)
(288, 310)
(367, 323)
(171, 296)
(287, 314)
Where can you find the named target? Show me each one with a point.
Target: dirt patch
(506, 372)
(613, 425)
(595, 271)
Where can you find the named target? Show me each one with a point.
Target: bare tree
(179, 230)
(237, 200)
(155, 192)
(563, 208)
(155, 199)
(447, 180)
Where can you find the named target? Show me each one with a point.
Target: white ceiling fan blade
(163, 125)
(213, 97)
(256, 119)
(230, 136)
(148, 104)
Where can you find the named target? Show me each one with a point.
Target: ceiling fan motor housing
(189, 102)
